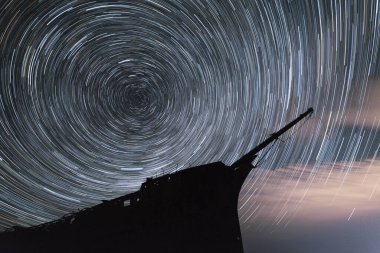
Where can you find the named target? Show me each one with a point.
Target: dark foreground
(194, 210)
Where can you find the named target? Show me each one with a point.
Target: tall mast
(250, 156)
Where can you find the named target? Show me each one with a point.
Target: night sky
(96, 96)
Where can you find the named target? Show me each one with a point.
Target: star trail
(96, 96)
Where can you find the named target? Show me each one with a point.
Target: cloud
(335, 192)
(367, 114)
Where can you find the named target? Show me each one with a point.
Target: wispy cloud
(366, 113)
(341, 191)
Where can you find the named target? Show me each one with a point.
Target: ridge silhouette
(193, 210)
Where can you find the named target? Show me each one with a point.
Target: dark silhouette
(193, 210)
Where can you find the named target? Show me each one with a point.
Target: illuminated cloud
(366, 112)
(336, 192)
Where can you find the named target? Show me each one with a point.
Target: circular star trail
(97, 96)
